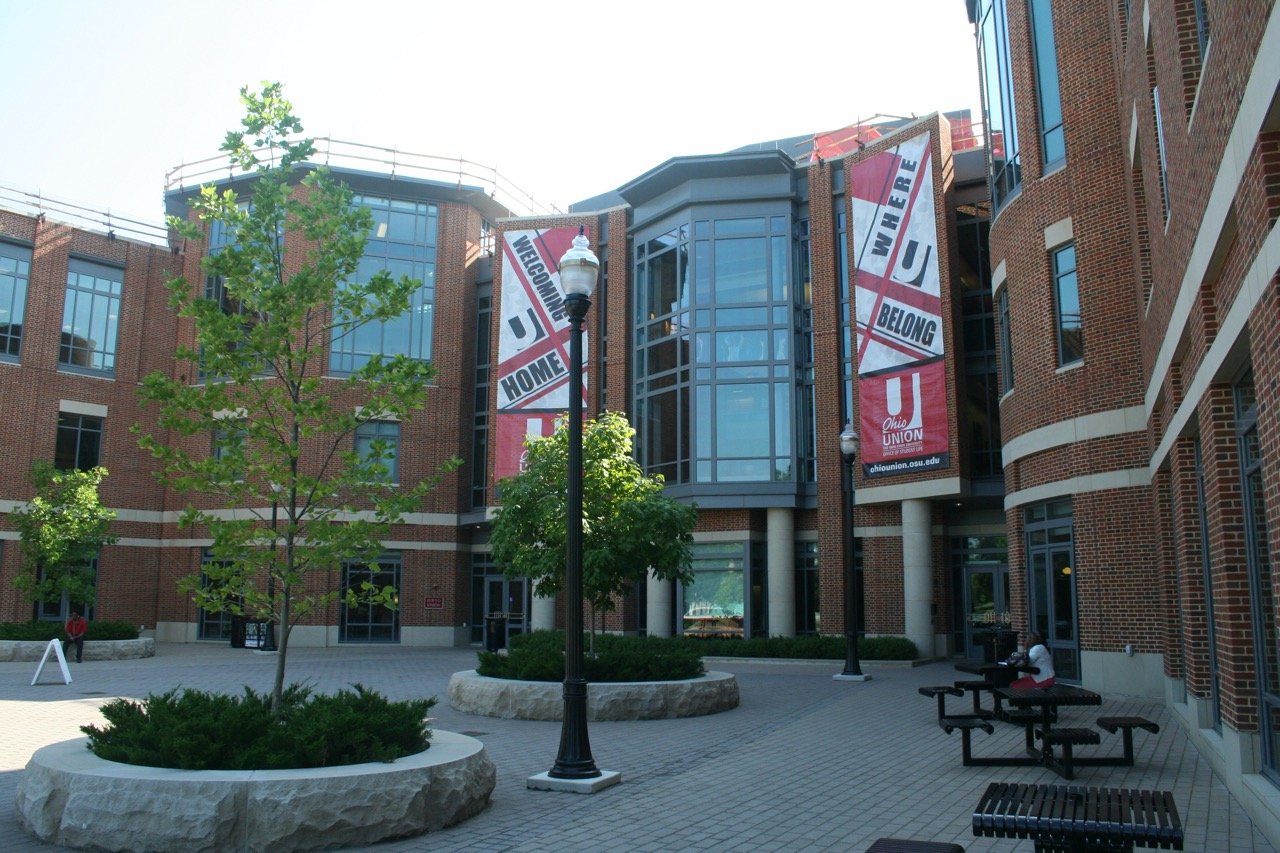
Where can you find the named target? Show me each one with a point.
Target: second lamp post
(852, 589)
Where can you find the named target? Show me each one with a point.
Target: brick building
(1059, 345)
(1135, 185)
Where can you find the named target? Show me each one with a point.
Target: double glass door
(506, 597)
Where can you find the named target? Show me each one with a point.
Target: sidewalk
(805, 764)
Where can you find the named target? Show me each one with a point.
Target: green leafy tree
(254, 427)
(62, 530)
(629, 527)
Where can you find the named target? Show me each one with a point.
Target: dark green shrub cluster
(45, 631)
(539, 656)
(194, 730)
(812, 646)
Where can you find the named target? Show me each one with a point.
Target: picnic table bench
(1062, 818)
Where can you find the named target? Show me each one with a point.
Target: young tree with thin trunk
(629, 527)
(61, 530)
(253, 424)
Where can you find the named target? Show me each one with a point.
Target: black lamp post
(579, 269)
(852, 591)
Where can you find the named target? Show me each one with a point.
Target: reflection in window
(79, 442)
(91, 316)
(1067, 305)
(996, 79)
(1053, 146)
(378, 446)
(714, 603)
(402, 242)
(15, 269)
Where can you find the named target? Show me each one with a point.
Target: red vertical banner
(532, 375)
(898, 308)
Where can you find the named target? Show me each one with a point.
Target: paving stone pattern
(805, 763)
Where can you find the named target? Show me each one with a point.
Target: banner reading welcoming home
(532, 375)
(901, 373)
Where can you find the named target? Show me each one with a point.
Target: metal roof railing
(372, 158)
(35, 203)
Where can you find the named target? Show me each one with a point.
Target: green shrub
(46, 630)
(539, 656)
(817, 647)
(194, 730)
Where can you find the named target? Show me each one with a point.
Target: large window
(91, 316)
(715, 313)
(996, 78)
(79, 442)
(366, 623)
(403, 243)
(378, 446)
(59, 609)
(480, 405)
(1053, 146)
(808, 590)
(1206, 567)
(1066, 293)
(715, 601)
(1262, 592)
(15, 269)
(1160, 151)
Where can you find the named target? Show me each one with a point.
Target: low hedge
(194, 730)
(45, 630)
(539, 656)
(818, 647)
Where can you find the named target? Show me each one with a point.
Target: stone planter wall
(70, 797)
(32, 650)
(472, 693)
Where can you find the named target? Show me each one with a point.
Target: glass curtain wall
(996, 79)
(715, 337)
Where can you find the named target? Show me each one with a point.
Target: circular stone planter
(69, 796)
(509, 699)
(32, 650)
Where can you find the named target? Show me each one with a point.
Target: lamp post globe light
(852, 591)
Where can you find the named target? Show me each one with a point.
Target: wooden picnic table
(1075, 818)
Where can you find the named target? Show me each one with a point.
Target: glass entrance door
(1053, 608)
(508, 598)
(986, 597)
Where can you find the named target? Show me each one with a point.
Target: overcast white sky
(98, 99)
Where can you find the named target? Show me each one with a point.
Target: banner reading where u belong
(532, 375)
(902, 401)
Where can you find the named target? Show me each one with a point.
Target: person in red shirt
(76, 628)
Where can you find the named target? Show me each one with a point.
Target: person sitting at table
(1039, 664)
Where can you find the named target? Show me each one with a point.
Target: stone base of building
(70, 797)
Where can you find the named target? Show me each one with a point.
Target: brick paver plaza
(806, 763)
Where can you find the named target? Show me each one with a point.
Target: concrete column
(542, 612)
(659, 597)
(781, 571)
(917, 574)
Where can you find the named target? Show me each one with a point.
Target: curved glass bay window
(715, 329)
(402, 242)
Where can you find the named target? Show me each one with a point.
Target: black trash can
(495, 632)
(1006, 643)
(237, 632)
(987, 640)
